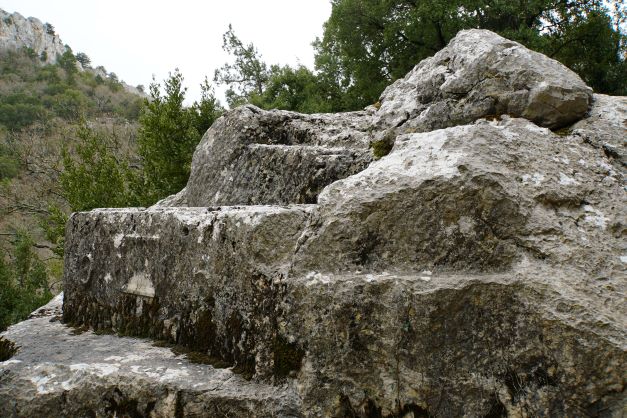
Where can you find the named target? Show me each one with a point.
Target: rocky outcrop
(18, 32)
(472, 198)
(251, 156)
(60, 371)
(481, 74)
(477, 269)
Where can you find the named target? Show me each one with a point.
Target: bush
(9, 164)
(93, 176)
(23, 282)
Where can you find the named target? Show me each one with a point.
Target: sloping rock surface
(251, 157)
(478, 269)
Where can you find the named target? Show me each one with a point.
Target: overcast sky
(138, 38)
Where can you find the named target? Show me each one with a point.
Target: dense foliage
(250, 80)
(94, 174)
(168, 135)
(23, 282)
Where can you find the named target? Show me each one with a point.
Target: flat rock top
(53, 358)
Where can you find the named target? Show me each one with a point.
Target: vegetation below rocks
(30, 92)
(23, 283)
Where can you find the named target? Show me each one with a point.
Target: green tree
(208, 109)
(369, 43)
(83, 59)
(23, 282)
(297, 89)
(67, 62)
(168, 135)
(93, 175)
(49, 29)
(250, 80)
(247, 75)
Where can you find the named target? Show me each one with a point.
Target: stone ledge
(57, 372)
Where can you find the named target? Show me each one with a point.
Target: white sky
(138, 38)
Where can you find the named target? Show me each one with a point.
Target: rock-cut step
(59, 372)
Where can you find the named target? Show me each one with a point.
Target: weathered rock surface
(58, 371)
(530, 342)
(606, 128)
(199, 277)
(479, 74)
(252, 156)
(478, 269)
(17, 32)
(472, 198)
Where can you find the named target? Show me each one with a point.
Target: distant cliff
(18, 32)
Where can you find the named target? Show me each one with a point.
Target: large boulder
(198, 277)
(477, 269)
(478, 74)
(472, 198)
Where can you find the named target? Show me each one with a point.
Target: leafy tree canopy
(247, 75)
(169, 133)
(250, 80)
(23, 282)
(369, 43)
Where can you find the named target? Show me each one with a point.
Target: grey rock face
(471, 198)
(479, 74)
(252, 156)
(606, 128)
(469, 345)
(197, 277)
(59, 372)
(18, 32)
(476, 270)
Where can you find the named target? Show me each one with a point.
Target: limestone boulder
(478, 269)
(202, 278)
(472, 198)
(478, 74)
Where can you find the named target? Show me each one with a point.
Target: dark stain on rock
(119, 405)
(497, 409)
(372, 410)
(7, 349)
(287, 357)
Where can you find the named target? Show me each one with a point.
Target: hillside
(46, 94)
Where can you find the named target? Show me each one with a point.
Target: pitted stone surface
(57, 372)
(199, 277)
(473, 197)
(452, 345)
(479, 74)
(252, 156)
(606, 128)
